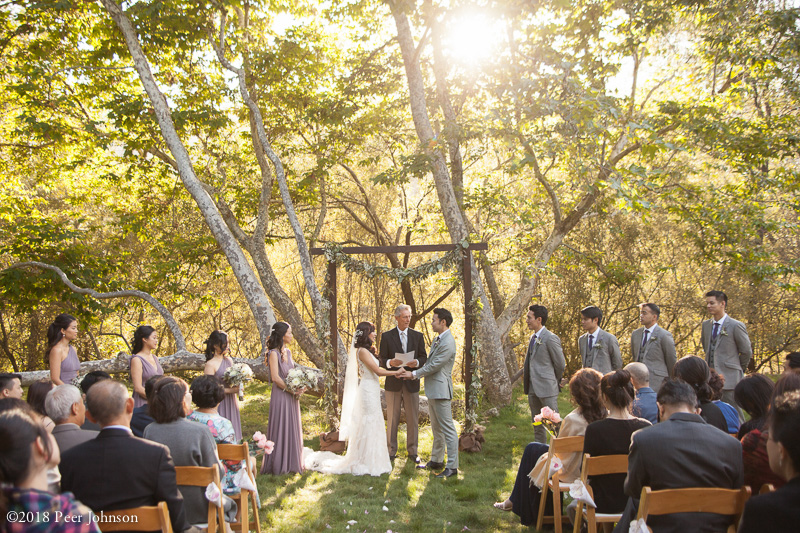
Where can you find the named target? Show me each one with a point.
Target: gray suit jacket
(658, 354)
(70, 435)
(682, 452)
(548, 363)
(438, 370)
(732, 349)
(604, 356)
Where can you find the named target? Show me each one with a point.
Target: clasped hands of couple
(403, 373)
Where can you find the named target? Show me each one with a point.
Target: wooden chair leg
(542, 505)
(578, 518)
(256, 519)
(557, 510)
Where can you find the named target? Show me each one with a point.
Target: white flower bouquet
(238, 374)
(300, 378)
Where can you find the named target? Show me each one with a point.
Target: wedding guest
(27, 452)
(65, 406)
(143, 363)
(141, 415)
(190, 444)
(778, 511)
(717, 383)
(599, 349)
(37, 393)
(644, 404)
(284, 426)
(753, 394)
(694, 371)
(584, 390)
(207, 393)
(86, 383)
(792, 363)
(63, 359)
(217, 362)
(10, 386)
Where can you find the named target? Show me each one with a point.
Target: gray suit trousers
(536, 403)
(444, 432)
(410, 402)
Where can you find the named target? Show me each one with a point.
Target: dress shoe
(431, 465)
(448, 472)
(414, 459)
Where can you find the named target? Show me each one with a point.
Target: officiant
(402, 347)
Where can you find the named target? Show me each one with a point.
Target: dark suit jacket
(117, 470)
(776, 512)
(683, 452)
(390, 344)
(141, 419)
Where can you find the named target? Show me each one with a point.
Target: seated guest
(65, 406)
(584, 388)
(792, 363)
(644, 405)
(753, 394)
(86, 383)
(612, 436)
(37, 393)
(141, 415)
(694, 371)
(680, 452)
(717, 383)
(10, 386)
(117, 470)
(190, 444)
(27, 452)
(779, 511)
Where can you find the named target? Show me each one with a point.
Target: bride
(362, 425)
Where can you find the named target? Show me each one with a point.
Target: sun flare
(472, 37)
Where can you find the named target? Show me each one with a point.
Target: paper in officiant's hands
(405, 357)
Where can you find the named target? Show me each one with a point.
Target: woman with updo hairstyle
(694, 371)
(779, 512)
(207, 393)
(27, 452)
(217, 362)
(143, 363)
(63, 359)
(284, 427)
(584, 389)
(792, 363)
(612, 436)
(717, 383)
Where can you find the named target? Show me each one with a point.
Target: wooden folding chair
(694, 500)
(561, 448)
(201, 476)
(598, 466)
(149, 518)
(766, 488)
(246, 498)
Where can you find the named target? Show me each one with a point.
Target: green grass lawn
(416, 501)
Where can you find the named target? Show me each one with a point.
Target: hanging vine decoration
(476, 387)
(328, 399)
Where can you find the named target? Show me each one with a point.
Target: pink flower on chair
(262, 443)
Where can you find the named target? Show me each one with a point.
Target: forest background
(609, 152)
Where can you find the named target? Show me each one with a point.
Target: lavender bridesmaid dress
(70, 366)
(284, 427)
(229, 408)
(148, 371)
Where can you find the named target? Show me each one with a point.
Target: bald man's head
(640, 375)
(107, 401)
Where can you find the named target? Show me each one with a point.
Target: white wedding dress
(362, 426)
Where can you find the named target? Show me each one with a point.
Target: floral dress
(222, 431)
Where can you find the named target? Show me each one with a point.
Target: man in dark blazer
(543, 368)
(64, 405)
(653, 345)
(681, 452)
(400, 392)
(117, 470)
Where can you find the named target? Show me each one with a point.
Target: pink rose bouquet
(260, 445)
(549, 419)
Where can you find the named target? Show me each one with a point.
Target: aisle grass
(416, 501)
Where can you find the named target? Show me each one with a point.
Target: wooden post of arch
(466, 280)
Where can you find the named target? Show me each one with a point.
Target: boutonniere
(538, 342)
(652, 339)
(598, 344)
(724, 332)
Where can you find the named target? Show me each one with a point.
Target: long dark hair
(361, 336)
(585, 390)
(37, 393)
(166, 405)
(275, 340)
(694, 371)
(217, 338)
(54, 334)
(618, 388)
(141, 333)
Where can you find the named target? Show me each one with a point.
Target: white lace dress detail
(367, 451)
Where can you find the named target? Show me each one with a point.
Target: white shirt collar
(651, 328)
(540, 332)
(402, 330)
(445, 333)
(721, 320)
(596, 334)
(126, 428)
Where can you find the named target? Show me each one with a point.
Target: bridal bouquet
(238, 374)
(549, 419)
(300, 378)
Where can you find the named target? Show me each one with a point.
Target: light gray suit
(728, 354)
(437, 372)
(70, 435)
(543, 369)
(658, 354)
(604, 355)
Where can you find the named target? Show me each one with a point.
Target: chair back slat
(196, 476)
(693, 500)
(566, 445)
(147, 518)
(233, 452)
(605, 464)
(766, 488)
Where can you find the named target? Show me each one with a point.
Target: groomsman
(599, 349)
(653, 346)
(544, 366)
(399, 392)
(726, 344)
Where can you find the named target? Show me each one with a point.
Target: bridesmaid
(143, 364)
(64, 363)
(284, 427)
(217, 362)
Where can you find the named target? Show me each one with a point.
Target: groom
(439, 390)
